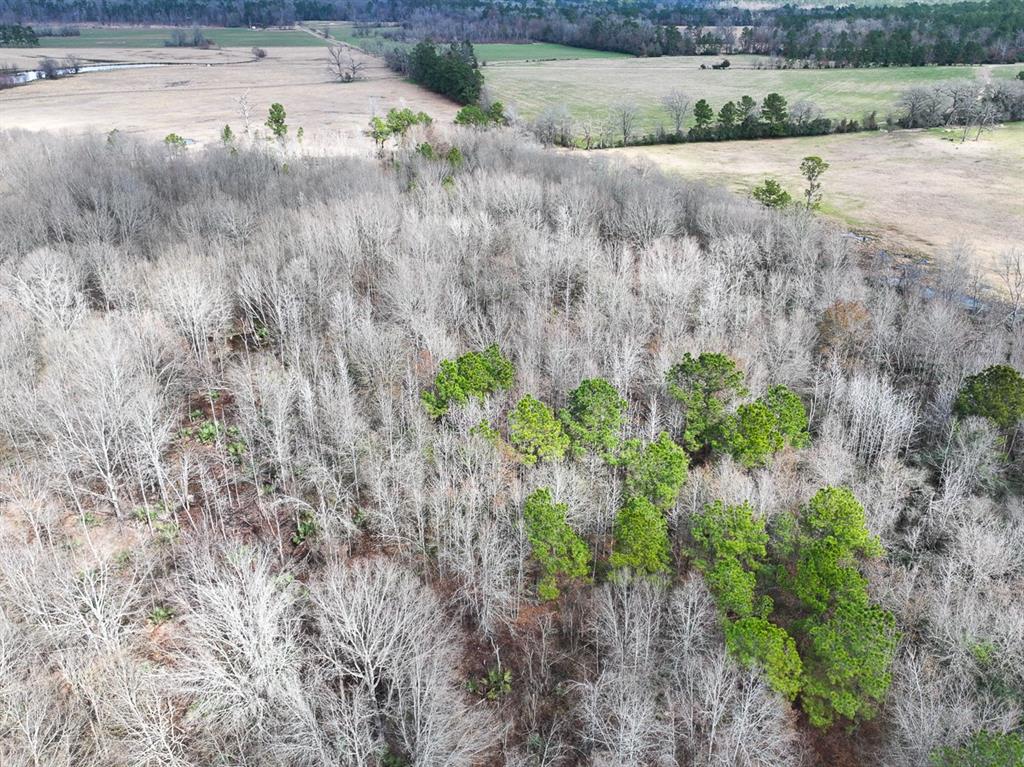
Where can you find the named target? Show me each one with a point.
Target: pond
(30, 75)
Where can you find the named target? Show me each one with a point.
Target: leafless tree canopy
(231, 534)
(677, 105)
(343, 65)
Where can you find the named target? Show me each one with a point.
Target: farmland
(500, 52)
(197, 95)
(918, 191)
(154, 37)
(489, 53)
(591, 88)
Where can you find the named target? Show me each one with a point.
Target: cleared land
(485, 52)
(591, 88)
(151, 37)
(917, 191)
(498, 52)
(199, 95)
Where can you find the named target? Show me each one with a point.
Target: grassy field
(589, 89)
(345, 32)
(485, 52)
(195, 100)
(919, 191)
(153, 37)
(500, 52)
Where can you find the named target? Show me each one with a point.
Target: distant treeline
(960, 33)
(914, 34)
(228, 13)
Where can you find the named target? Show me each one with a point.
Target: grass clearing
(195, 99)
(921, 191)
(500, 52)
(591, 88)
(153, 37)
(490, 53)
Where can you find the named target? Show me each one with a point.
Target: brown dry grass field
(918, 191)
(199, 95)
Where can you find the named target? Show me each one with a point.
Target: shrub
(535, 433)
(174, 141)
(771, 194)
(560, 552)
(474, 374)
(996, 393)
(704, 386)
(258, 53)
(656, 471)
(275, 121)
(396, 123)
(641, 539)
(594, 417)
(758, 642)
(188, 38)
(476, 116)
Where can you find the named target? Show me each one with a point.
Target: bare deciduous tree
(624, 115)
(677, 104)
(343, 64)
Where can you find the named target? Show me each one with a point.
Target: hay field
(485, 52)
(591, 88)
(918, 191)
(154, 36)
(197, 96)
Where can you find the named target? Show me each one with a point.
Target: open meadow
(154, 36)
(591, 88)
(918, 191)
(486, 53)
(198, 92)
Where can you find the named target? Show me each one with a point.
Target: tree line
(966, 104)
(17, 36)
(906, 34)
(734, 120)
